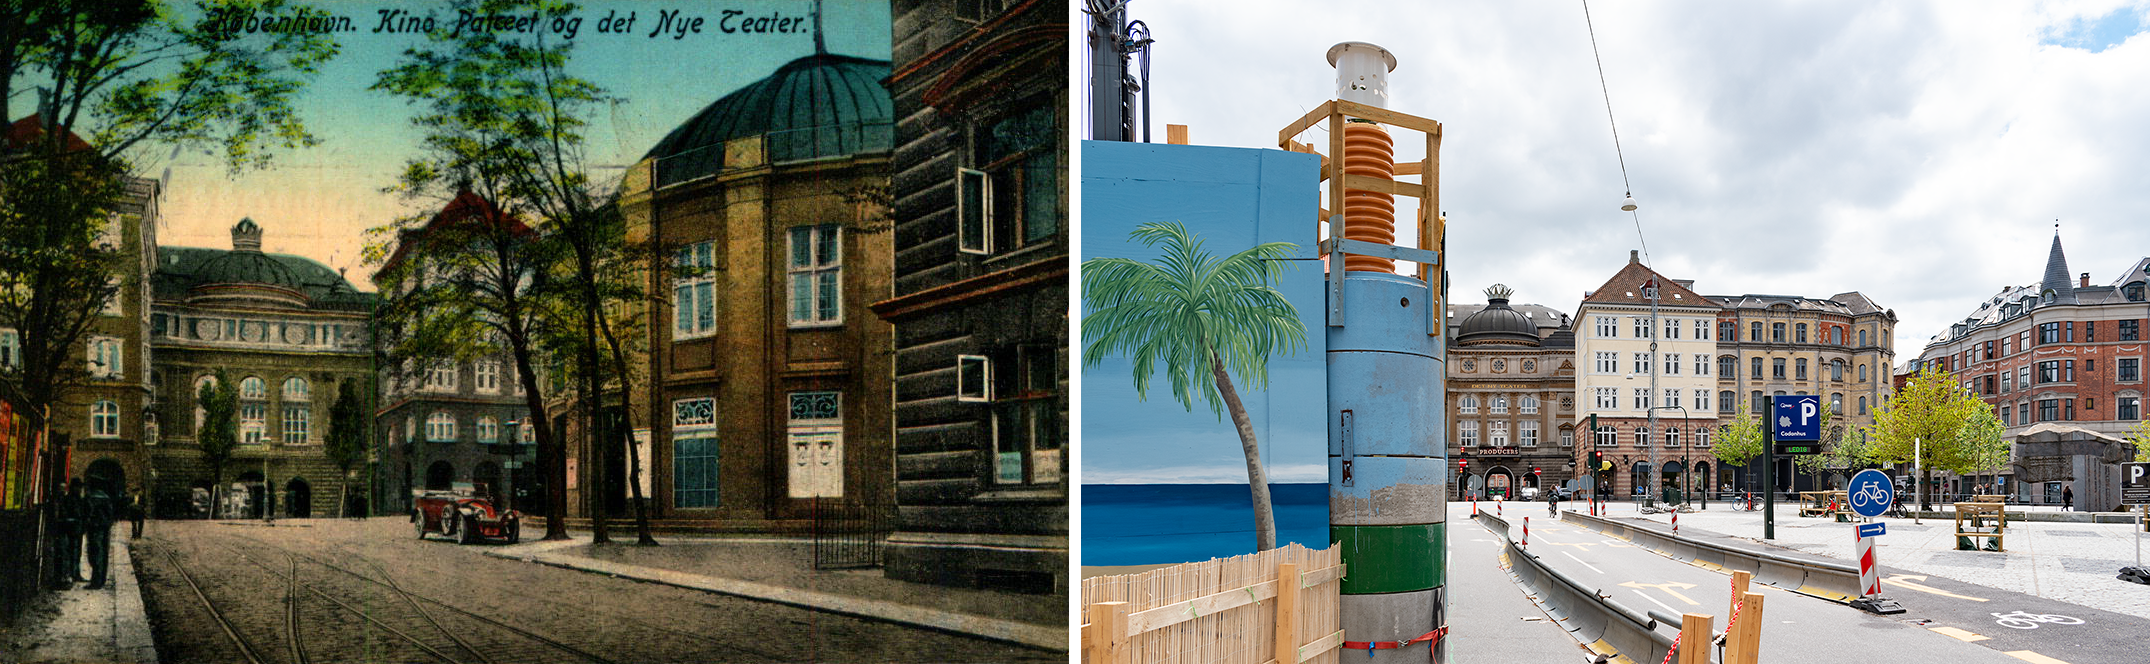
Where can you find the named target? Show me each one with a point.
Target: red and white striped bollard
(1869, 575)
(1526, 531)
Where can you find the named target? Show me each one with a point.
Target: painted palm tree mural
(1200, 319)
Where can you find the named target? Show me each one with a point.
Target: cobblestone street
(328, 590)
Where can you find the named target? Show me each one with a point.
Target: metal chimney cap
(1338, 50)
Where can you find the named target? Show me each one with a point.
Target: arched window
(252, 387)
(1467, 405)
(1836, 370)
(1726, 400)
(1862, 405)
(1836, 403)
(1862, 373)
(296, 389)
(488, 430)
(1527, 405)
(1862, 337)
(440, 427)
(1498, 404)
(104, 419)
(1606, 437)
(1836, 336)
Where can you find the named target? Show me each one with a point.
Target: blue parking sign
(1796, 417)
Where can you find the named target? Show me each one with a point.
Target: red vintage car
(465, 517)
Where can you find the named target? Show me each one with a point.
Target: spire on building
(2056, 288)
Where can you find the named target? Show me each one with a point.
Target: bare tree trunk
(634, 454)
(1265, 520)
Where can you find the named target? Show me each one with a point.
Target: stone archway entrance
(440, 476)
(1499, 483)
(298, 499)
(105, 475)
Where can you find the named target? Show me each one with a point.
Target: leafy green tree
(1934, 416)
(1201, 319)
(2140, 436)
(501, 111)
(346, 442)
(219, 433)
(1738, 440)
(113, 78)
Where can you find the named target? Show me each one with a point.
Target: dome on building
(820, 105)
(1498, 324)
(245, 264)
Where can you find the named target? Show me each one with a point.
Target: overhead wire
(1606, 91)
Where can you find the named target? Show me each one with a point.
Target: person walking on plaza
(136, 512)
(97, 521)
(69, 527)
(2067, 498)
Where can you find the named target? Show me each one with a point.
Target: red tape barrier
(1429, 638)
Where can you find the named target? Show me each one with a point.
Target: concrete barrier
(1604, 625)
(1836, 582)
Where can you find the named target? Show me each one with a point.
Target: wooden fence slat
(1311, 118)
(1234, 626)
(1321, 576)
(1321, 646)
(1384, 116)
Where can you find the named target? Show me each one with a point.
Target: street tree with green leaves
(218, 434)
(1936, 417)
(1738, 440)
(114, 79)
(2140, 436)
(500, 112)
(1200, 319)
(346, 443)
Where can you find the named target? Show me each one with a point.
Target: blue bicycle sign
(1871, 492)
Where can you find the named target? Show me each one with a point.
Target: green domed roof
(815, 106)
(247, 267)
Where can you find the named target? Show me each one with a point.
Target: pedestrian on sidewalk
(136, 512)
(2067, 498)
(97, 526)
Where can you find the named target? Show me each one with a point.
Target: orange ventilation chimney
(1362, 76)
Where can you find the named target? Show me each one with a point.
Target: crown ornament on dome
(1499, 292)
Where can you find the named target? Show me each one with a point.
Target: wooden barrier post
(1750, 632)
(1107, 640)
(1740, 579)
(1287, 613)
(1695, 632)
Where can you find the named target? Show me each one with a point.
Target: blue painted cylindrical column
(1388, 467)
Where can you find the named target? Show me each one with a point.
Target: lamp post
(515, 446)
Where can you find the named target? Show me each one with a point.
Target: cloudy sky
(1918, 152)
(318, 202)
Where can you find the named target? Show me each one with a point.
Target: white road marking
(1668, 607)
(1593, 568)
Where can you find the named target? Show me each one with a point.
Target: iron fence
(850, 536)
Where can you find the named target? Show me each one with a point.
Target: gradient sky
(317, 202)
(1919, 152)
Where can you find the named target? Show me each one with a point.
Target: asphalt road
(1991, 618)
(327, 590)
(1795, 628)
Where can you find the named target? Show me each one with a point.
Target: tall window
(2130, 408)
(1608, 363)
(1776, 368)
(1642, 363)
(1527, 435)
(1467, 433)
(1672, 437)
(1757, 365)
(1672, 364)
(1702, 329)
(488, 430)
(2048, 410)
(1467, 405)
(1020, 155)
(1642, 398)
(816, 275)
(1836, 336)
(1605, 436)
(440, 427)
(2128, 369)
(1642, 328)
(1728, 366)
(485, 376)
(1862, 337)
(1672, 398)
(1800, 369)
(1726, 400)
(2049, 371)
(1727, 330)
(1028, 439)
(1836, 370)
(253, 423)
(296, 389)
(10, 348)
(1642, 436)
(694, 453)
(1608, 398)
(1608, 327)
(106, 360)
(1702, 364)
(2130, 330)
(1776, 332)
(1567, 437)
(2049, 333)
(1802, 336)
(1862, 373)
(104, 419)
(1672, 328)
(694, 286)
(298, 421)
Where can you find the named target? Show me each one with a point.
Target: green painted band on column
(1392, 559)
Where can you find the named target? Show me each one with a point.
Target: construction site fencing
(1275, 606)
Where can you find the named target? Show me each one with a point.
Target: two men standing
(81, 517)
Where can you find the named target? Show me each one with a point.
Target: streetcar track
(291, 617)
(430, 650)
(415, 606)
(245, 648)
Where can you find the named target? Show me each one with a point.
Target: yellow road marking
(1960, 634)
(2032, 657)
(1898, 580)
(1667, 587)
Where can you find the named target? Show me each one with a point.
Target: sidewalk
(80, 625)
(781, 571)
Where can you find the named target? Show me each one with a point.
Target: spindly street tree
(1200, 319)
(114, 78)
(500, 112)
(1936, 417)
(2140, 436)
(346, 442)
(219, 431)
(1739, 440)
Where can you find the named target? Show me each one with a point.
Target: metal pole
(1655, 290)
(1769, 471)
(1918, 489)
